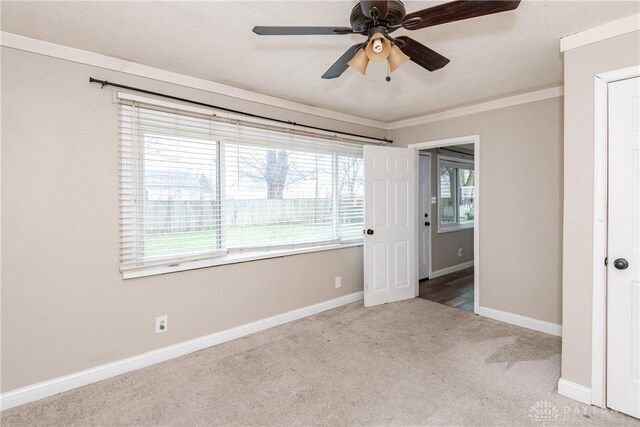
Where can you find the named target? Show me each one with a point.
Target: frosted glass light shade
(396, 58)
(359, 61)
(386, 48)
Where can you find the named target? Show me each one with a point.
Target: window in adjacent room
(198, 190)
(455, 194)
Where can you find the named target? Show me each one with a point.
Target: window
(455, 194)
(199, 190)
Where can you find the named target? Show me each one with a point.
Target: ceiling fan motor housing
(361, 23)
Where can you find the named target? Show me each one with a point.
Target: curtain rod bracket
(103, 83)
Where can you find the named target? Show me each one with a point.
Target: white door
(390, 258)
(623, 252)
(424, 215)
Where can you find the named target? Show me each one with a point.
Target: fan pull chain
(388, 78)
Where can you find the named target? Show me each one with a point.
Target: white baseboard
(574, 391)
(68, 382)
(523, 321)
(451, 269)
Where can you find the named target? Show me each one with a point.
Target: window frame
(222, 256)
(454, 162)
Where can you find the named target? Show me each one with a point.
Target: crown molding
(53, 50)
(67, 53)
(495, 104)
(601, 32)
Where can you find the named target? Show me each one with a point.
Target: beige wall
(65, 306)
(444, 246)
(581, 65)
(520, 203)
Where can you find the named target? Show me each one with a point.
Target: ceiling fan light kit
(377, 19)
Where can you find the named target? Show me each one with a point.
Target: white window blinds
(195, 187)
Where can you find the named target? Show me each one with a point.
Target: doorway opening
(447, 229)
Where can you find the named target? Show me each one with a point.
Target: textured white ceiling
(491, 56)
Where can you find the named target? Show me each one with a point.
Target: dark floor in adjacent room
(454, 289)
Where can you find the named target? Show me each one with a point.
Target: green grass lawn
(161, 244)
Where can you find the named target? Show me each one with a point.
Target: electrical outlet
(338, 281)
(459, 251)
(162, 324)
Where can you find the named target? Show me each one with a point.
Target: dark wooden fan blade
(456, 11)
(341, 65)
(422, 55)
(301, 31)
(381, 5)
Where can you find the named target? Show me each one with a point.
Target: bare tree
(466, 178)
(349, 170)
(274, 169)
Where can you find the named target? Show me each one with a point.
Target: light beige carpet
(408, 363)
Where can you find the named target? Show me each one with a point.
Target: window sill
(231, 258)
(454, 228)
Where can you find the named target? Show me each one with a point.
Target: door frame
(600, 183)
(428, 248)
(469, 139)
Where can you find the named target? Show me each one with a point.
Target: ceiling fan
(378, 19)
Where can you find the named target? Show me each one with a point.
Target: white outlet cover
(338, 281)
(162, 324)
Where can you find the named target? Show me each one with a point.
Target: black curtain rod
(229, 110)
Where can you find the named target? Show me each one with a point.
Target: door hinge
(606, 261)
